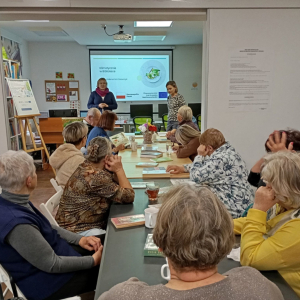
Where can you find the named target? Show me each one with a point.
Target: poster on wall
(250, 80)
(50, 88)
(11, 50)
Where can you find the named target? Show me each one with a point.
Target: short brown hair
(74, 132)
(107, 120)
(292, 136)
(193, 229)
(173, 84)
(212, 137)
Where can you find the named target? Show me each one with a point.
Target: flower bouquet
(147, 129)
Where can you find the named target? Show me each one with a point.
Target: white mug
(150, 216)
(133, 146)
(163, 267)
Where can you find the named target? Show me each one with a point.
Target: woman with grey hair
(184, 116)
(96, 183)
(189, 140)
(275, 244)
(45, 261)
(195, 232)
(67, 157)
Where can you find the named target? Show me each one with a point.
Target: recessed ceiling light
(32, 21)
(153, 23)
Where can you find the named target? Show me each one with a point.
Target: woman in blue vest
(46, 261)
(102, 98)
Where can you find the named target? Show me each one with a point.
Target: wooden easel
(23, 130)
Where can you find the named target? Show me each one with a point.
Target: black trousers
(82, 282)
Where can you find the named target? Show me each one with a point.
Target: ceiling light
(33, 21)
(153, 23)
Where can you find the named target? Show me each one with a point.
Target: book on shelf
(12, 128)
(14, 144)
(150, 248)
(146, 165)
(161, 159)
(119, 139)
(128, 221)
(6, 69)
(10, 108)
(157, 172)
(151, 154)
(141, 185)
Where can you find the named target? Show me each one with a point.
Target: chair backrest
(8, 281)
(164, 119)
(48, 207)
(55, 184)
(199, 121)
(138, 121)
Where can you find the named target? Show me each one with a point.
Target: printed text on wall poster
(249, 80)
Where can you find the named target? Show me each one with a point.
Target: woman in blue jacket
(102, 98)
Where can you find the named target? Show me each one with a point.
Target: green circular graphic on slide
(153, 73)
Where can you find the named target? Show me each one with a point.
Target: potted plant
(147, 130)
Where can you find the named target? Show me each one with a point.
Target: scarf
(102, 93)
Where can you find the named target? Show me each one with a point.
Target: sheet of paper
(73, 95)
(249, 80)
(50, 88)
(73, 85)
(62, 98)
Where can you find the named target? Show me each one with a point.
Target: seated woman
(219, 167)
(275, 244)
(189, 138)
(45, 261)
(92, 188)
(106, 123)
(184, 116)
(277, 141)
(195, 232)
(67, 157)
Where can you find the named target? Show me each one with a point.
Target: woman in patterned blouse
(174, 101)
(219, 167)
(96, 183)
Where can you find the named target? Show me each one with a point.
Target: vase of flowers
(147, 129)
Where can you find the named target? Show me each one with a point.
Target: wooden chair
(13, 288)
(48, 207)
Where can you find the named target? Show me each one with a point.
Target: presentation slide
(132, 77)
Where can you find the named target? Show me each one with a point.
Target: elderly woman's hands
(97, 256)
(169, 133)
(264, 198)
(114, 164)
(275, 143)
(90, 243)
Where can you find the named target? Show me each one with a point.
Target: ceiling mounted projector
(120, 36)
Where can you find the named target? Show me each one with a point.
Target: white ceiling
(91, 33)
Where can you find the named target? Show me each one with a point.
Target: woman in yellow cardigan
(275, 244)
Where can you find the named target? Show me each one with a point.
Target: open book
(119, 139)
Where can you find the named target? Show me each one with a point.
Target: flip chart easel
(27, 110)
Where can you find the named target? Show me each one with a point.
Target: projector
(122, 37)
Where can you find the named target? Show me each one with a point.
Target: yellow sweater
(281, 251)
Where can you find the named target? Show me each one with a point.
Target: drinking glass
(152, 192)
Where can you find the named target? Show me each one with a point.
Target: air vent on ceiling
(140, 36)
(48, 31)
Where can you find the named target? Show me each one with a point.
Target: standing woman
(102, 98)
(174, 101)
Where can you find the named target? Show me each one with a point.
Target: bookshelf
(12, 70)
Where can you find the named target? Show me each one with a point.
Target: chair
(13, 288)
(138, 121)
(48, 207)
(55, 185)
(199, 121)
(164, 119)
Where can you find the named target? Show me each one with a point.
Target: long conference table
(123, 251)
